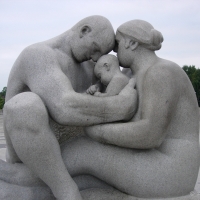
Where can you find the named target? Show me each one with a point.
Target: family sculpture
(138, 141)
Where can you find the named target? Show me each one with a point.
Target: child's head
(106, 67)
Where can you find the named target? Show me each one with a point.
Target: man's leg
(26, 123)
(16, 192)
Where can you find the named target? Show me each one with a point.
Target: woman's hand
(95, 132)
(130, 91)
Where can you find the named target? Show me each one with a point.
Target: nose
(95, 57)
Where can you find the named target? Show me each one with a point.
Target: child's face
(103, 74)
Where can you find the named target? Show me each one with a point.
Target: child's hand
(92, 89)
(97, 94)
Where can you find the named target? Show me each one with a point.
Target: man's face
(89, 48)
(95, 52)
(93, 45)
(101, 43)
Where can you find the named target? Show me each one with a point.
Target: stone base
(103, 194)
(15, 192)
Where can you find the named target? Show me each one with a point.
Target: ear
(131, 44)
(107, 67)
(84, 31)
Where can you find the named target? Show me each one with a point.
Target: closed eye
(99, 75)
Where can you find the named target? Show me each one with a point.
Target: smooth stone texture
(59, 130)
(154, 156)
(97, 194)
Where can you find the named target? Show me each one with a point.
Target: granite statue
(55, 65)
(107, 70)
(136, 146)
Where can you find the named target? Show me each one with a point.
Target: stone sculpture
(155, 155)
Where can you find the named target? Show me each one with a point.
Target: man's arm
(45, 78)
(159, 100)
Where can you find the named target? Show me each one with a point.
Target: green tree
(3, 92)
(194, 76)
(2, 102)
(2, 97)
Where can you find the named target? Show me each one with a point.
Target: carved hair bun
(156, 40)
(142, 32)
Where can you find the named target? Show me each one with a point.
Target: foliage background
(194, 76)
(2, 97)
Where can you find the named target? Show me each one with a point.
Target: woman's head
(143, 33)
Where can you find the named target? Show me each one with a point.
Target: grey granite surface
(3, 150)
(153, 156)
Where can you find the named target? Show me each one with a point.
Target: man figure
(43, 82)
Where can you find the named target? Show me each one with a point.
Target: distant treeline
(191, 71)
(2, 97)
(194, 76)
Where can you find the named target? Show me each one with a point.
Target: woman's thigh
(142, 173)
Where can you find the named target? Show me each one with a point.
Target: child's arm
(116, 85)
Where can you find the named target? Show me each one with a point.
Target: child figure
(107, 70)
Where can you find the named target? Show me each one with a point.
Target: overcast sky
(24, 22)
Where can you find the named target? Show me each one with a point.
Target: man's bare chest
(81, 75)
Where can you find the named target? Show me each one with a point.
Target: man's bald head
(100, 30)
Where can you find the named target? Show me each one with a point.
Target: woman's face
(122, 52)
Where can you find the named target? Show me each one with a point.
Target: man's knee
(22, 101)
(23, 108)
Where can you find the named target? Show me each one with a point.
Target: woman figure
(156, 154)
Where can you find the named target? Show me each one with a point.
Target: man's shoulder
(37, 49)
(37, 54)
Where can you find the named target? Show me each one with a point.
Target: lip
(92, 59)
